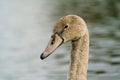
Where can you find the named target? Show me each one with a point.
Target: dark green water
(25, 29)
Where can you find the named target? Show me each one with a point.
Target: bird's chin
(52, 46)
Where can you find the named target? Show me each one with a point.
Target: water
(25, 29)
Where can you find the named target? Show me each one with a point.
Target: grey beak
(53, 44)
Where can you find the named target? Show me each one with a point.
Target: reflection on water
(25, 28)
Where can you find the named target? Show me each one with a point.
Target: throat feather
(79, 59)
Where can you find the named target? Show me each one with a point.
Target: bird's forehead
(67, 20)
(60, 24)
(62, 21)
(58, 28)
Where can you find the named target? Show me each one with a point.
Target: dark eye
(66, 26)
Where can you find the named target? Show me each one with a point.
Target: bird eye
(66, 26)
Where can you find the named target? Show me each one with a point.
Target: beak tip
(42, 56)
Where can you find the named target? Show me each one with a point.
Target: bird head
(68, 28)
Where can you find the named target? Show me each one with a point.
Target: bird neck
(79, 58)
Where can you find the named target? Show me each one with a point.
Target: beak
(53, 44)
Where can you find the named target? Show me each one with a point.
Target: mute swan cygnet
(71, 28)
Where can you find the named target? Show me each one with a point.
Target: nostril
(52, 42)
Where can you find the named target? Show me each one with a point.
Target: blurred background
(25, 29)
